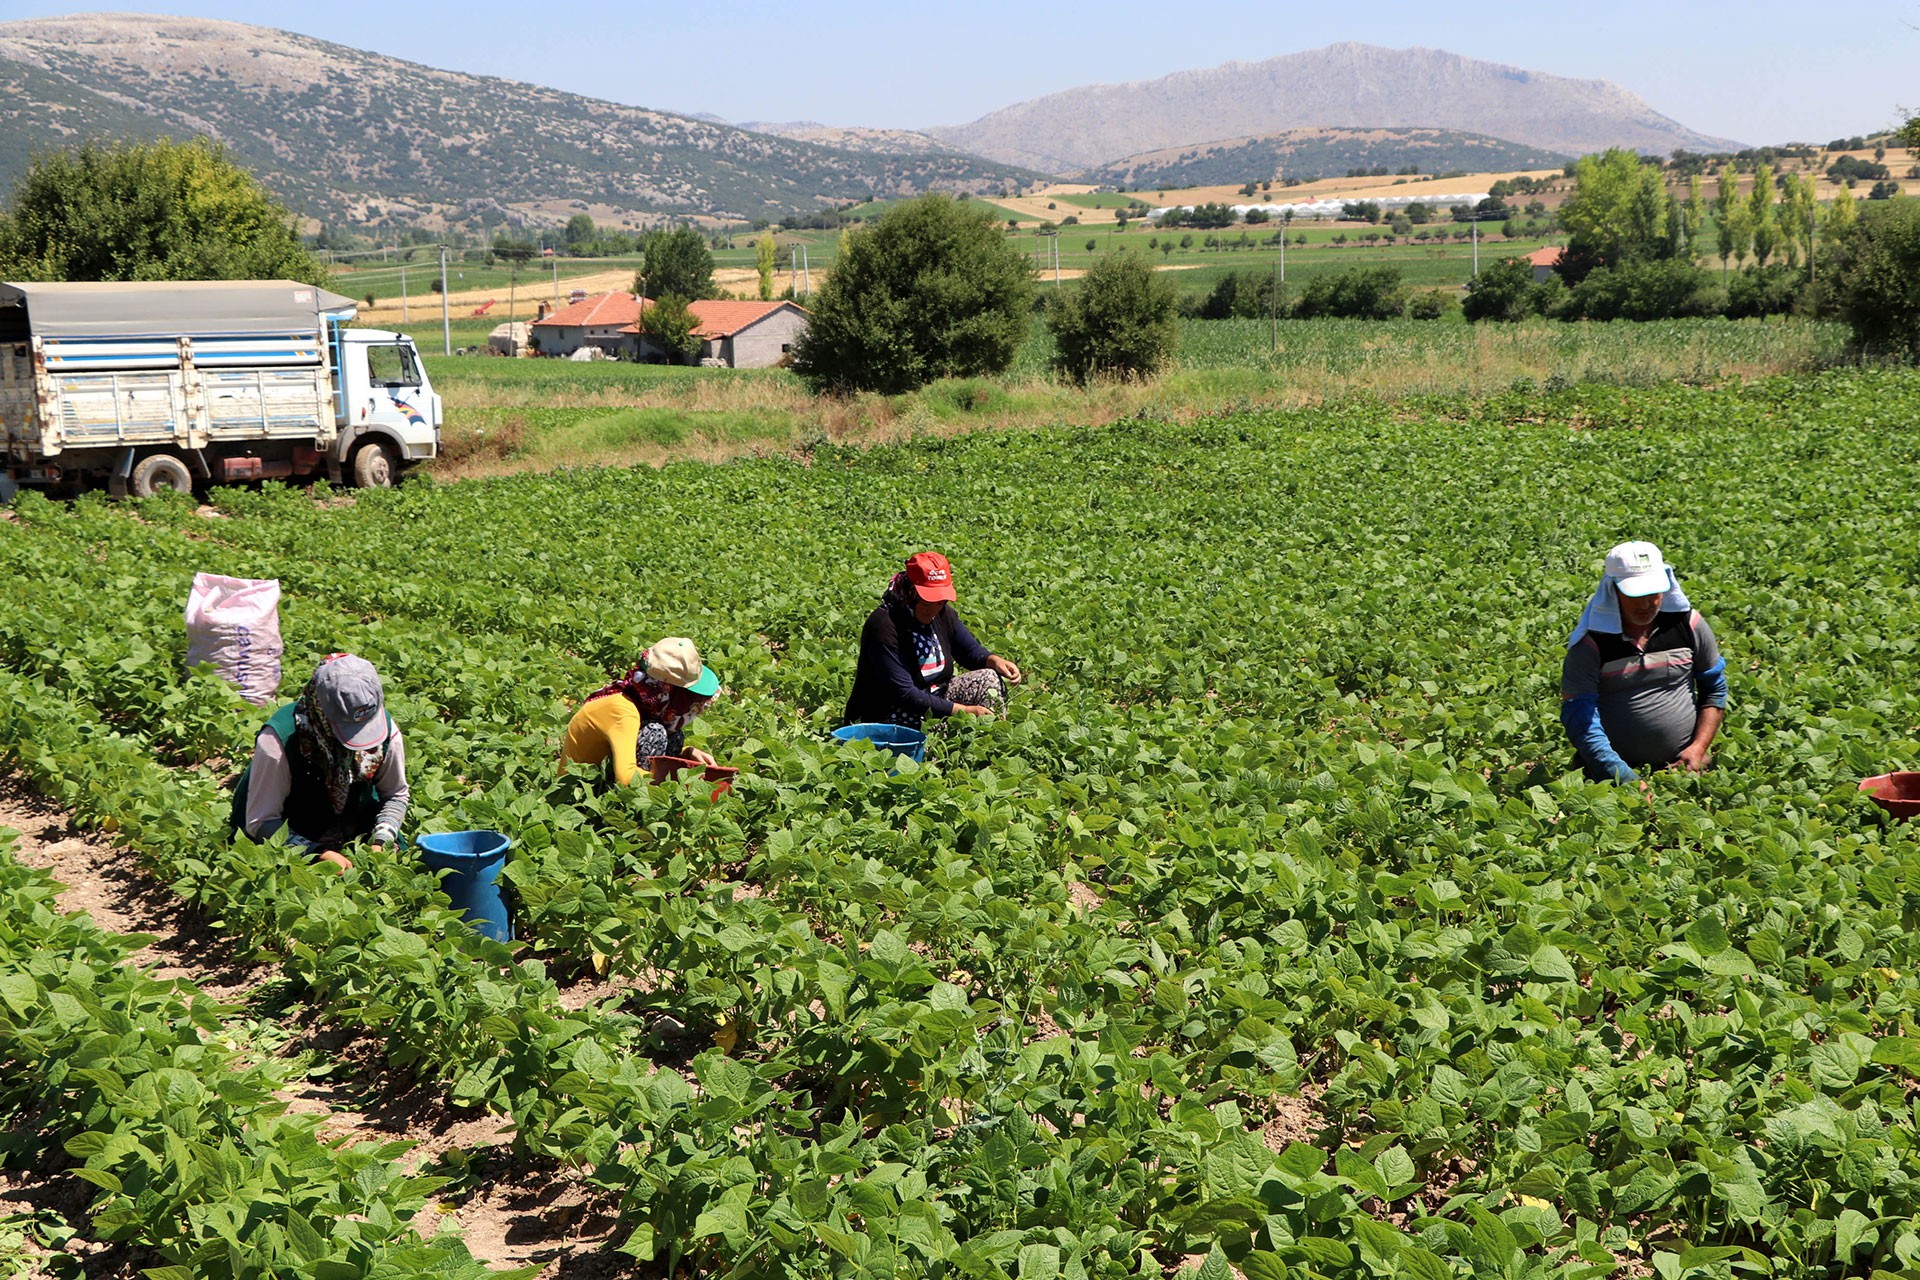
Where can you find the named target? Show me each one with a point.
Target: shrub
(1873, 282)
(1363, 293)
(1772, 290)
(1434, 304)
(1657, 290)
(1119, 323)
(1504, 291)
(931, 290)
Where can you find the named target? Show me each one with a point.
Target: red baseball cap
(931, 576)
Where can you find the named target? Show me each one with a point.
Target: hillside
(1310, 154)
(1342, 85)
(354, 137)
(897, 142)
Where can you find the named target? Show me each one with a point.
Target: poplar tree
(763, 261)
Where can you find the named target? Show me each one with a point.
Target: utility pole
(1476, 244)
(806, 271)
(446, 319)
(556, 281)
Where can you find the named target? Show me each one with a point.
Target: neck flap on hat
(1603, 610)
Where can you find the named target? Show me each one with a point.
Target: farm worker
(1643, 684)
(329, 766)
(643, 714)
(908, 649)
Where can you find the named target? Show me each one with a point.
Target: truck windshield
(392, 366)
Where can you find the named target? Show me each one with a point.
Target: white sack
(234, 623)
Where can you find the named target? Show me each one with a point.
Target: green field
(1269, 934)
(516, 414)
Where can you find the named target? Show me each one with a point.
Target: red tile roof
(722, 318)
(615, 309)
(1546, 257)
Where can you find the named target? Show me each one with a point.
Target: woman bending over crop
(643, 714)
(908, 649)
(1643, 684)
(329, 766)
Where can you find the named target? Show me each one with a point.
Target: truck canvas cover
(165, 309)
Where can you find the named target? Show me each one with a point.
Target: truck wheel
(159, 473)
(374, 467)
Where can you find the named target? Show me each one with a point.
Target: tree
(1874, 279)
(1617, 214)
(1765, 231)
(579, 230)
(669, 324)
(675, 262)
(160, 210)
(931, 290)
(1119, 323)
(763, 261)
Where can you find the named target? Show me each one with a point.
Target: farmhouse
(1544, 260)
(743, 335)
(605, 320)
(740, 335)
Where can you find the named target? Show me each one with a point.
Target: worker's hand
(969, 709)
(695, 753)
(1694, 758)
(340, 863)
(1008, 669)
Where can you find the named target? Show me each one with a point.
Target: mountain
(352, 137)
(1342, 85)
(1307, 154)
(897, 142)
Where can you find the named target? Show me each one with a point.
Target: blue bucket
(472, 861)
(898, 739)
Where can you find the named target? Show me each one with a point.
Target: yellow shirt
(605, 728)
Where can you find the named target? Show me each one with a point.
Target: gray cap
(349, 691)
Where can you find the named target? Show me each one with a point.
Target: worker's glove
(384, 835)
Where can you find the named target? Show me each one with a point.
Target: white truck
(177, 385)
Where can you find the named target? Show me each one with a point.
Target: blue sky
(1758, 70)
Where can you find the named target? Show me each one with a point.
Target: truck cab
(386, 409)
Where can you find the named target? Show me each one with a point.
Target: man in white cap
(329, 766)
(1643, 684)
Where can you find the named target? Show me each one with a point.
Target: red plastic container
(1897, 793)
(664, 767)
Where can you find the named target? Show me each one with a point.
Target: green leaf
(1851, 1230)
(1263, 1264)
(1039, 1262)
(1395, 1167)
(1416, 1263)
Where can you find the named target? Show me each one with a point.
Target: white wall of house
(565, 339)
(766, 342)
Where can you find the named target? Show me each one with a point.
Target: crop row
(180, 1130)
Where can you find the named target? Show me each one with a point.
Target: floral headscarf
(339, 764)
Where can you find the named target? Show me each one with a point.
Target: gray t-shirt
(1647, 702)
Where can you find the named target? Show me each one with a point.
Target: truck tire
(375, 467)
(159, 473)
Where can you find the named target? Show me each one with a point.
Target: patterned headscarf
(339, 764)
(655, 698)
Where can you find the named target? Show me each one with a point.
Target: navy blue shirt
(899, 681)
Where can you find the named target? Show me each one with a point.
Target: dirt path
(512, 1214)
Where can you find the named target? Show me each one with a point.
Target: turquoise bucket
(898, 739)
(472, 862)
